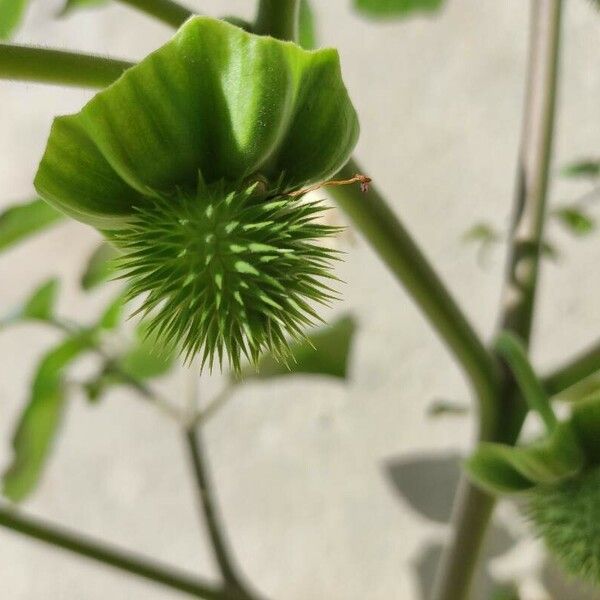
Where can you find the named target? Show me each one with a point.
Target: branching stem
(473, 508)
(219, 545)
(370, 213)
(44, 65)
(110, 555)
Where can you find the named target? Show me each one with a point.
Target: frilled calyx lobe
(228, 272)
(215, 100)
(164, 160)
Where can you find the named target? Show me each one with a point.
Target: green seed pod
(567, 517)
(191, 163)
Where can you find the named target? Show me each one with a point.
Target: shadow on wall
(427, 483)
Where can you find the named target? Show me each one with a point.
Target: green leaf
(442, 408)
(147, 358)
(396, 9)
(575, 220)
(214, 103)
(42, 302)
(586, 168)
(39, 422)
(307, 34)
(20, 221)
(38, 306)
(112, 315)
(99, 267)
(326, 352)
(11, 15)
(482, 232)
(507, 469)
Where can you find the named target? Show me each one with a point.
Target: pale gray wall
(299, 464)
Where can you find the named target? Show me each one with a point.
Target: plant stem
(381, 227)
(474, 508)
(167, 11)
(44, 65)
(110, 555)
(532, 176)
(219, 544)
(278, 18)
(585, 364)
(511, 350)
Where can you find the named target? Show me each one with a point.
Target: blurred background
(334, 489)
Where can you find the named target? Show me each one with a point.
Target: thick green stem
(110, 555)
(582, 366)
(208, 506)
(278, 18)
(56, 66)
(382, 228)
(474, 508)
(167, 11)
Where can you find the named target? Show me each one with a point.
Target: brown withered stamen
(358, 178)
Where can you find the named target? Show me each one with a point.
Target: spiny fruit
(228, 273)
(194, 163)
(567, 517)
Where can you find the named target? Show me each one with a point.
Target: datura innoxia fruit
(557, 475)
(193, 164)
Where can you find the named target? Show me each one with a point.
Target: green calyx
(214, 99)
(228, 273)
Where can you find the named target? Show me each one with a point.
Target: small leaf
(442, 408)
(11, 15)
(112, 315)
(307, 35)
(396, 9)
(23, 220)
(42, 302)
(587, 168)
(100, 266)
(38, 306)
(482, 232)
(147, 358)
(39, 422)
(325, 353)
(575, 220)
